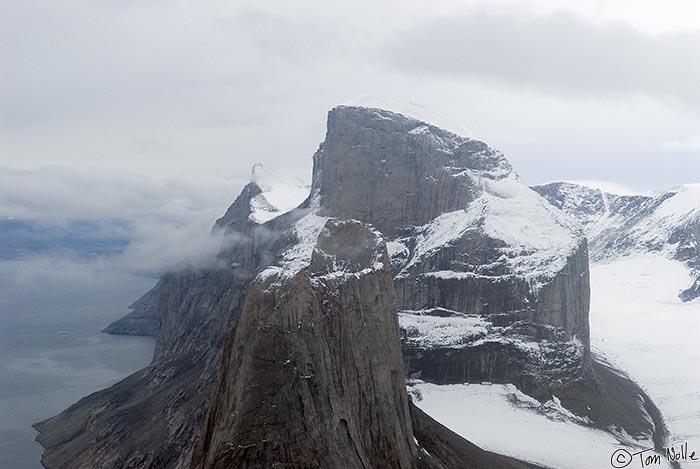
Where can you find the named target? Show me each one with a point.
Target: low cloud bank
(87, 220)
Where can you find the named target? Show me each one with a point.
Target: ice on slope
(539, 237)
(439, 328)
(654, 231)
(619, 225)
(306, 230)
(686, 201)
(500, 418)
(428, 331)
(278, 194)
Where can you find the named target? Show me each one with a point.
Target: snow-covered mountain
(288, 348)
(270, 195)
(624, 225)
(278, 195)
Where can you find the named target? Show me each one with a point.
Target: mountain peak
(415, 110)
(394, 171)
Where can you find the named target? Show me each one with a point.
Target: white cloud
(560, 53)
(690, 144)
(183, 89)
(57, 192)
(168, 222)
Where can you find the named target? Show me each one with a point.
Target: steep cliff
(492, 282)
(311, 377)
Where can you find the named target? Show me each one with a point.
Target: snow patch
(501, 419)
(307, 229)
(427, 331)
(538, 237)
(608, 187)
(278, 194)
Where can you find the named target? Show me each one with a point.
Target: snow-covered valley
(639, 323)
(499, 418)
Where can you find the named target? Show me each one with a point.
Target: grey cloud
(65, 61)
(690, 144)
(167, 221)
(553, 53)
(211, 87)
(56, 192)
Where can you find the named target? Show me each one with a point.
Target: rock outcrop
(311, 377)
(467, 241)
(152, 418)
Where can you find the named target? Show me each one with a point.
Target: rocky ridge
(625, 225)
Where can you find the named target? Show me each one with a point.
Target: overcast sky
(201, 90)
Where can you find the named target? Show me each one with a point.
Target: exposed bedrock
(152, 418)
(311, 377)
(462, 225)
(440, 281)
(393, 172)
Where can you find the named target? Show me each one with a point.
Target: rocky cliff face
(490, 282)
(624, 225)
(396, 172)
(470, 246)
(151, 418)
(310, 378)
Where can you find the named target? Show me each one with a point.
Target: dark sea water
(52, 352)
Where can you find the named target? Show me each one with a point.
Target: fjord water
(52, 352)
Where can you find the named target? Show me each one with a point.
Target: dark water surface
(52, 352)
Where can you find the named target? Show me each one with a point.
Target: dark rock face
(237, 217)
(562, 302)
(144, 318)
(396, 172)
(309, 378)
(152, 418)
(404, 177)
